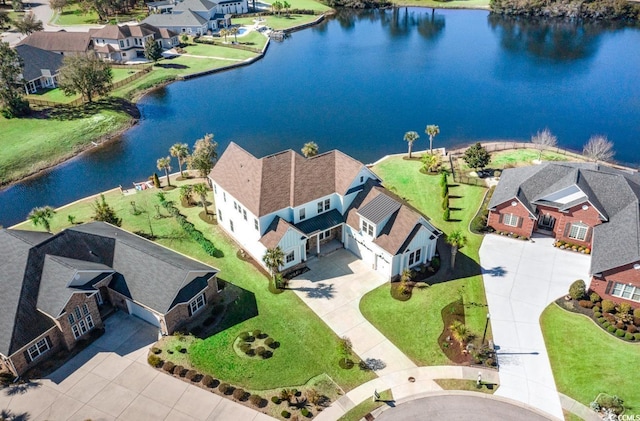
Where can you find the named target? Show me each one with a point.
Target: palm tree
(310, 149)
(42, 216)
(431, 162)
(432, 130)
(223, 33)
(185, 193)
(180, 151)
(165, 164)
(286, 6)
(456, 240)
(201, 190)
(234, 31)
(411, 137)
(274, 258)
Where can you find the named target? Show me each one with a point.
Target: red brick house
(584, 204)
(54, 287)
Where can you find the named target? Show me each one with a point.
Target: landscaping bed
(468, 385)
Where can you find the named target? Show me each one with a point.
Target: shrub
(620, 324)
(585, 304)
(239, 394)
(250, 339)
(611, 329)
(250, 352)
(578, 289)
(608, 306)
(305, 412)
(154, 360)
(445, 202)
(636, 313)
(597, 314)
(620, 333)
(602, 320)
(268, 342)
(596, 308)
(191, 375)
(207, 381)
(624, 308)
(177, 370)
(257, 333)
(636, 336)
(256, 400)
(445, 190)
(276, 400)
(286, 414)
(156, 350)
(244, 336)
(628, 336)
(606, 325)
(168, 367)
(446, 214)
(266, 355)
(632, 328)
(225, 388)
(260, 350)
(594, 297)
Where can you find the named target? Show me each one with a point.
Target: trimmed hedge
(191, 375)
(620, 333)
(168, 367)
(154, 360)
(286, 414)
(276, 400)
(188, 227)
(611, 329)
(597, 315)
(628, 336)
(608, 306)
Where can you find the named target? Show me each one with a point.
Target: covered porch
(324, 233)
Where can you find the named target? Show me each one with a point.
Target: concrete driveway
(521, 278)
(332, 288)
(111, 380)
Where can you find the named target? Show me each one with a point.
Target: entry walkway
(521, 279)
(332, 288)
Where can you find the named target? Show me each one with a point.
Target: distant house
(127, 42)
(300, 205)
(198, 17)
(61, 42)
(56, 288)
(40, 68)
(587, 205)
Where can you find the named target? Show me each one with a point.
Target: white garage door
(382, 266)
(360, 251)
(142, 313)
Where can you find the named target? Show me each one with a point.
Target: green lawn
(30, 144)
(308, 347)
(518, 158)
(468, 385)
(72, 14)
(587, 360)
(305, 5)
(279, 22)
(418, 339)
(359, 411)
(219, 51)
(454, 4)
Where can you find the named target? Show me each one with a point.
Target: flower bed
(563, 245)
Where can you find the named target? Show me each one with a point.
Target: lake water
(359, 81)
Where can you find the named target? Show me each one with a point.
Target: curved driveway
(460, 407)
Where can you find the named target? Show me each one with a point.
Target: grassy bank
(419, 339)
(587, 360)
(308, 347)
(454, 4)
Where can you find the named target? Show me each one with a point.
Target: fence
(45, 103)
(143, 71)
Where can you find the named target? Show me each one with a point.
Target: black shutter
(189, 307)
(609, 285)
(499, 218)
(520, 220)
(27, 357)
(567, 229)
(589, 233)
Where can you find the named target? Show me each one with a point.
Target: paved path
(332, 288)
(521, 278)
(111, 380)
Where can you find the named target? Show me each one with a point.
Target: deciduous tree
(5, 20)
(13, 105)
(411, 137)
(58, 5)
(86, 75)
(204, 155)
(599, 148)
(477, 157)
(28, 24)
(42, 216)
(152, 50)
(103, 212)
(544, 139)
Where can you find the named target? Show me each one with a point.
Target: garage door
(142, 313)
(382, 266)
(360, 250)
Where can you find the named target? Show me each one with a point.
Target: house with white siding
(198, 17)
(307, 205)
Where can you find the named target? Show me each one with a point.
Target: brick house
(589, 205)
(54, 287)
(308, 205)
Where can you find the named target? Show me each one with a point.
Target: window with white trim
(244, 214)
(78, 313)
(414, 257)
(629, 292)
(85, 309)
(235, 205)
(578, 231)
(302, 213)
(231, 226)
(72, 319)
(367, 228)
(197, 303)
(324, 234)
(224, 196)
(255, 224)
(324, 205)
(38, 349)
(510, 219)
(290, 257)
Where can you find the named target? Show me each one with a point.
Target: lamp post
(486, 325)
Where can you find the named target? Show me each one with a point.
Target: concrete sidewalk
(521, 278)
(332, 289)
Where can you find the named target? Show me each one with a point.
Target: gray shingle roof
(195, 5)
(61, 41)
(35, 60)
(186, 18)
(614, 193)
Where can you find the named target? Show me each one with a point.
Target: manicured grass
(518, 158)
(72, 14)
(219, 51)
(279, 22)
(308, 347)
(30, 144)
(418, 339)
(468, 385)
(455, 4)
(587, 361)
(359, 411)
(305, 5)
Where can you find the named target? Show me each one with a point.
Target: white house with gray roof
(306, 206)
(198, 17)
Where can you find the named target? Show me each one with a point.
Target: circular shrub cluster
(276, 400)
(168, 367)
(240, 394)
(256, 400)
(256, 343)
(226, 388)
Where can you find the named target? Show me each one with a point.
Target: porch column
(318, 244)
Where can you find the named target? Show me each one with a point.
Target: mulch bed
(450, 347)
(187, 204)
(209, 218)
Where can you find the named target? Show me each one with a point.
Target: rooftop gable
(67, 42)
(36, 59)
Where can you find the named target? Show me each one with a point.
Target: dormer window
(324, 205)
(367, 228)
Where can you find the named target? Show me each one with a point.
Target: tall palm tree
(432, 130)
(201, 190)
(165, 164)
(274, 258)
(234, 31)
(185, 193)
(223, 33)
(42, 216)
(286, 6)
(180, 151)
(411, 137)
(456, 240)
(310, 149)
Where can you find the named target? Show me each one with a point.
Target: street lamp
(486, 325)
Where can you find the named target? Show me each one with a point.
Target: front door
(547, 222)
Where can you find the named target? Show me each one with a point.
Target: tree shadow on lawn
(465, 266)
(242, 308)
(67, 112)
(172, 66)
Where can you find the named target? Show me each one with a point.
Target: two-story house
(588, 205)
(300, 204)
(55, 287)
(198, 17)
(127, 42)
(40, 68)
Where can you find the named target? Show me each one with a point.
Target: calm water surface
(358, 82)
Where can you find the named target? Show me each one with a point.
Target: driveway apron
(521, 279)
